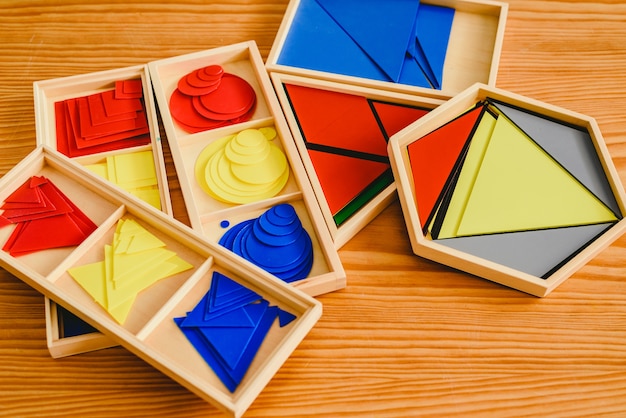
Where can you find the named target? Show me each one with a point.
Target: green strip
(365, 196)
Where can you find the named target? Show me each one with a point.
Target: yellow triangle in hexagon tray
(520, 187)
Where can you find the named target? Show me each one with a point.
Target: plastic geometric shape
(434, 157)
(381, 31)
(336, 119)
(520, 187)
(446, 221)
(412, 74)
(394, 117)
(315, 41)
(355, 176)
(129, 267)
(537, 252)
(258, 169)
(432, 35)
(275, 241)
(46, 218)
(209, 98)
(571, 146)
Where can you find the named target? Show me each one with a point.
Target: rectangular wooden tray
(48, 92)
(149, 331)
(498, 272)
(349, 228)
(473, 52)
(206, 213)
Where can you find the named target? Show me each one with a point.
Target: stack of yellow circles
(242, 168)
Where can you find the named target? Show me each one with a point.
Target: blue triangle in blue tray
(432, 35)
(382, 30)
(316, 42)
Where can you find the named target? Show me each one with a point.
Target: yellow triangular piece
(467, 176)
(91, 277)
(520, 187)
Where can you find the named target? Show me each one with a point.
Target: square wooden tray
(149, 330)
(425, 246)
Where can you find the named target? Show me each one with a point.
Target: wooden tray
(207, 213)
(149, 331)
(343, 232)
(515, 277)
(48, 92)
(473, 50)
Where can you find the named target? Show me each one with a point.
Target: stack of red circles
(209, 98)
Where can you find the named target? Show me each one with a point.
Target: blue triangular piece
(232, 342)
(316, 42)
(382, 30)
(234, 318)
(433, 33)
(226, 294)
(209, 355)
(285, 318)
(412, 74)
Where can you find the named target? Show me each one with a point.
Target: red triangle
(343, 178)
(41, 234)
(26, 193)
(434, 156)
(336, 120)
(395, 117)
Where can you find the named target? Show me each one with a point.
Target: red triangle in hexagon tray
(348, 130)
(434, 158)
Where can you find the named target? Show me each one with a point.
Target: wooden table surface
(407, 337)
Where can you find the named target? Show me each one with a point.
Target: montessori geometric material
(106, 121)
(228, 326)
(518, 210)
(400, 41)
(275, 241)
(45, 218)
(346, 137)
(242, 168)
(133, 172)
(209, 98)
(133, 262)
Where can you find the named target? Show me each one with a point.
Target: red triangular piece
(337, 120)
(434, 156)
(41, 234)
(26, 193)
(343, 178)
(395, 117)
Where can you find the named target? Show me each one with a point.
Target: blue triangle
(316, 42)
(433, 33)
(382, 31)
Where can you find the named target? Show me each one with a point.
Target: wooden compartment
(46, 94)
(342, 232)
(473, 51)
(149, 330)
(49, 92)
(206, 213)
(545, 206)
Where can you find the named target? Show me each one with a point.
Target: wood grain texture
(408, 337)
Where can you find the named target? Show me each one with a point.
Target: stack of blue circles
(275, 241)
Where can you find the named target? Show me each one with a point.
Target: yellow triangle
(91, 278)
(520, 187)
(467, 176)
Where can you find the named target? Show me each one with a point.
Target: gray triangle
(536, 252)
